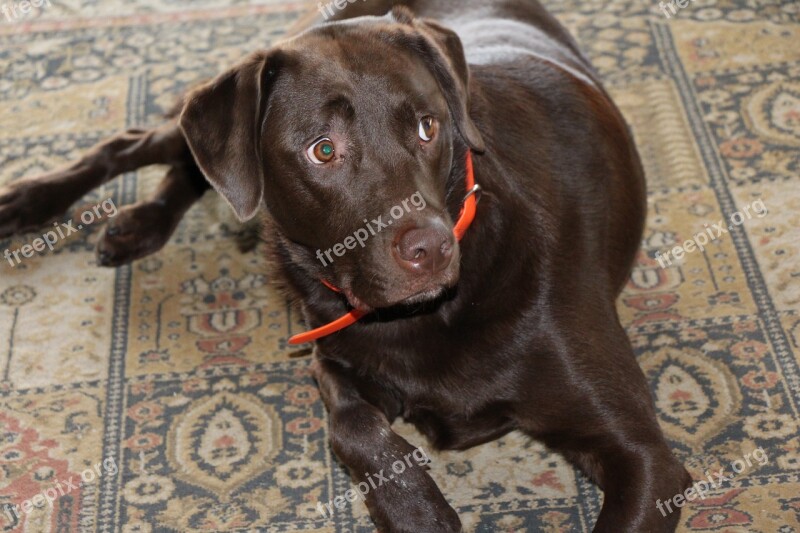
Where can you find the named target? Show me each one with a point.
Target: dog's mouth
(426, 295)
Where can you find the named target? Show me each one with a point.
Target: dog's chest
(440, 383)
(454, 428)
(451, 413)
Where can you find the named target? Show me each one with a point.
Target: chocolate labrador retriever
(467, 321)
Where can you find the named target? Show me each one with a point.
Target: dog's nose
(426, 250)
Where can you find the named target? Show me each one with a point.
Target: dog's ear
(222, 122)
(444, 54)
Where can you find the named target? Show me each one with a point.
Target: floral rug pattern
(162, 397)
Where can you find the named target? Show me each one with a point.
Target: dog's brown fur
(516, 327)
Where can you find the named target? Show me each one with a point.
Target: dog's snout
(425, 250)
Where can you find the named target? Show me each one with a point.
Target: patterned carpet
(162, 397)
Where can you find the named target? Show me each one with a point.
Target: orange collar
(465, 219)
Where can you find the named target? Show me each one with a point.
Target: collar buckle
(476, 191)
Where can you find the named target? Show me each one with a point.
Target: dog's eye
(427, 129)
(321, 152)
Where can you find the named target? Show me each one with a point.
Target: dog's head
(348, 134)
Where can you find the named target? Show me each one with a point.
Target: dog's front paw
(420, 517)
(30, 203)
(412, 503)
(137, 231)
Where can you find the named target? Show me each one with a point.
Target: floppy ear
(221, 121)
(443, 52)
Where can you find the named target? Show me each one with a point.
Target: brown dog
(513, 327)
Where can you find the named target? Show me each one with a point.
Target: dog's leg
(639, 481)
(144, 228)
(30, 203)
(607, 426)
(362, 438)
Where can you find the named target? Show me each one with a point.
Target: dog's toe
(117, 250)
(136, 232)
(114, 230)
(117, 247)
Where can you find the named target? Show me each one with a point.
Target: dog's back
(491, 31)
